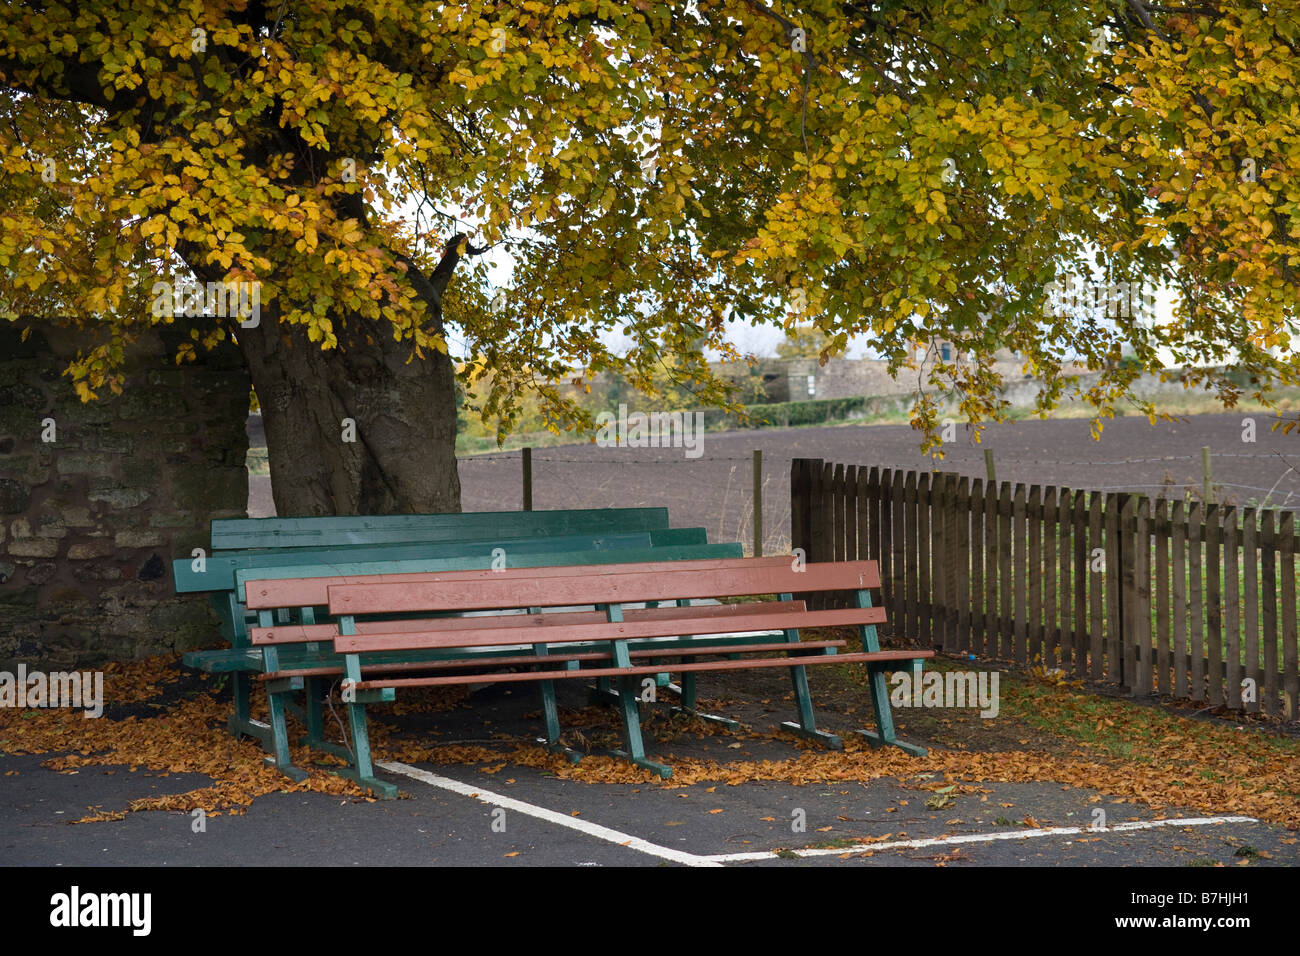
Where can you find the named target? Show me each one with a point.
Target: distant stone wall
(90, 521)
(787, 379)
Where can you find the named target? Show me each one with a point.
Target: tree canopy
(894, 170)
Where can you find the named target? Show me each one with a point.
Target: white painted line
(719, 859)
(984, 838)
(550, 816)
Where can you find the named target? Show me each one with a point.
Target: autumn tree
(895, 171)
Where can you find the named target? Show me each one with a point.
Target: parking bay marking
(983, 838)
(550, 816)
(719, 859)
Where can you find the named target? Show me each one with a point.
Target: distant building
(804, 379)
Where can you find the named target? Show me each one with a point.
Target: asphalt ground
(504, 814)
(434, 826)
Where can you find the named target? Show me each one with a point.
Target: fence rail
(1178, 598)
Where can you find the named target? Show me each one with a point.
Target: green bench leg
(807, 725)
(686, 703)
(551, 714)
(235, 627)
(279, 756)
(686, 696)
(362, 771)
(241, 724)
(277, 692)
(629, 700)
(885, 736)
(314, 712)
(602, 693)
(314, 719)
(243, 710)
(687, 692)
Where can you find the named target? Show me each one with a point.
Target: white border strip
(982, 838)
(550, 816)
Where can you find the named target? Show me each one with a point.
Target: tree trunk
(398, 456)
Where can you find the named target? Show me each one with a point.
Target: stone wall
(786, 380)
(90, 521)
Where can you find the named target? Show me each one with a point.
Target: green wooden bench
(607, 644)
(216, 573)
(252, 542)
(269, 542)
(242, 661)
(232, 539)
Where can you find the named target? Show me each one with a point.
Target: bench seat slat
(544, 633)
(516, 660)
(300, 633)
(859, 657)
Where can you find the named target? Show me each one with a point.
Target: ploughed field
(714, 490)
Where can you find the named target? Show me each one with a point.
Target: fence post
(989, 472)
(1142, 643)
(824, 535)
(528, 479)
(1290, 639)
(800, 469)
(1113, 583)
(1213, 606)
(1180, 525)
(758, 502)
(918, 540)
(1268, 547)
(1086, 645)
(961, 513)
(838, 528)
(1020, 575)
(1126, 647)
(1196, 599)
(898, 561)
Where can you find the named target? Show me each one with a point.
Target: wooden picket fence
(1106, 587)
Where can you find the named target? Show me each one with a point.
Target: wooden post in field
(1207, 482)
(758, 502)
(528, 479)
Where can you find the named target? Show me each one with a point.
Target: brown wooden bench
(608, 644)
(289, 606)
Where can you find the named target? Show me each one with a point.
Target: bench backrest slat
(737, 578)
(542, 630)
(312, 590)
(239, 533)
(658, 536)
(300, 633)
(220, 570)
